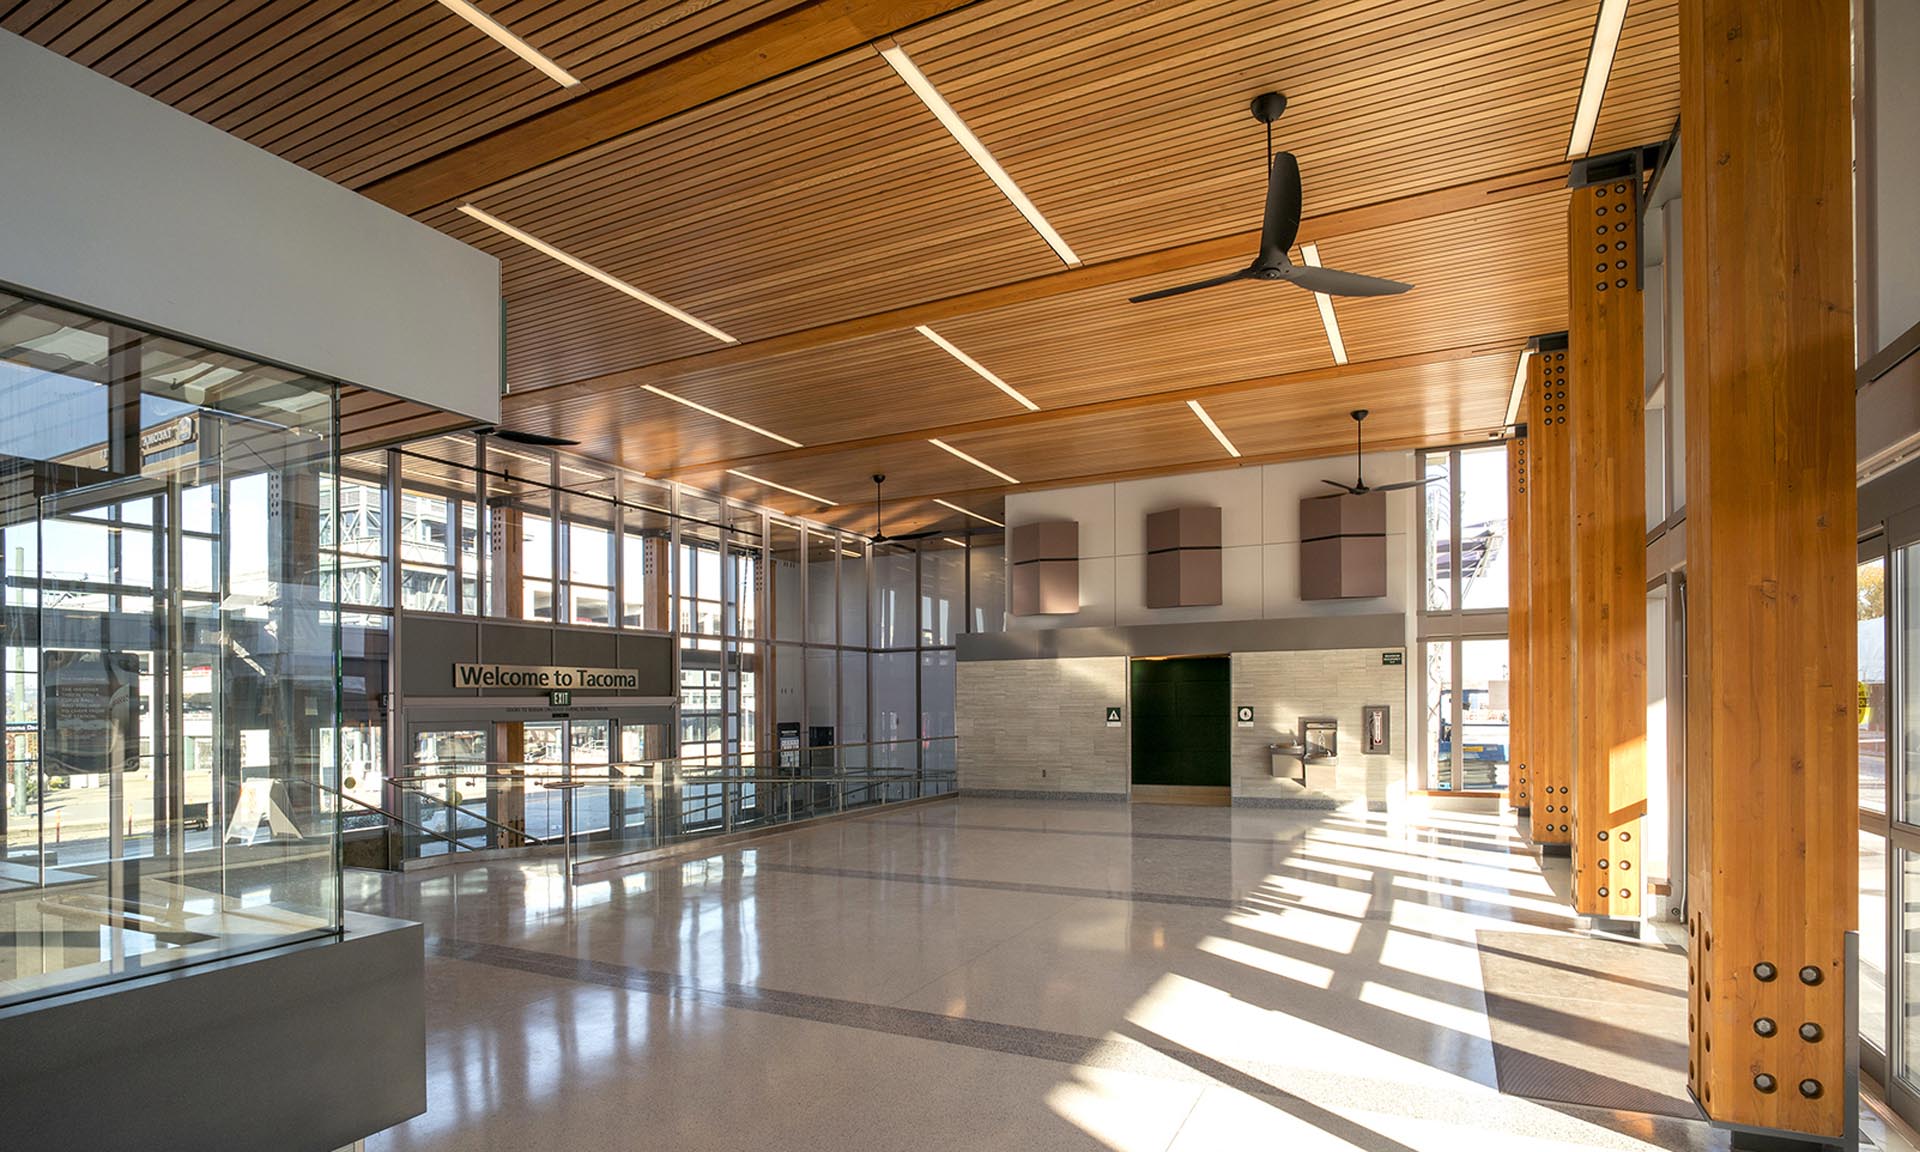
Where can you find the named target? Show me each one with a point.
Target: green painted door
(1181, 712)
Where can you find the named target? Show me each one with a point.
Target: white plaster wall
(1259, 533)
(118, 203)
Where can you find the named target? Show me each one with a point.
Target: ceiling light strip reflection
(973, 460)
(520, 47)
(1213, 428)
(782, 487)
(1593, 87)
(719, 415)
(978, 368)
(943, 111)
(968, 512)
(610, 280)
(1311, 254)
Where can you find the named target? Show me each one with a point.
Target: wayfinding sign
(543, 677)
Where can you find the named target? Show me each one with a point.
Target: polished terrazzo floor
(994, 974)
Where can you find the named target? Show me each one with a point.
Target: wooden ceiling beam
(1094, 408)
(760, 52)
(1346, 221)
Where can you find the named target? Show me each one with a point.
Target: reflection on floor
(1001, 974)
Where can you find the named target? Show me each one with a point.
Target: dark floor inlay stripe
(1135, 895)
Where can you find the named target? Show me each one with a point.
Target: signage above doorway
(543, 677)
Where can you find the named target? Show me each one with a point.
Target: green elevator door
(1181, 710)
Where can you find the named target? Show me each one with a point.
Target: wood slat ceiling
(831, 193)
(1127, 123)
(357, 89)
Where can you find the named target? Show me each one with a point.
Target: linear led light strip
(520, 47)
(973, 460)
(1213, 428)
(968, 512)
(1519, 386)
(922, 87)
(607, 278)
(719, 415)
(783, 488)
(979, 368)
(1593, 87)
(1311, 254)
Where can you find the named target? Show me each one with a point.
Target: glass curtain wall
(790, 637)
(1464, 673)
(177, 533)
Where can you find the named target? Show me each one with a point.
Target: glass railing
(598, 814)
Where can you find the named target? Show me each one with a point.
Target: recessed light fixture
(1213, 428)
(952, 541)
(1593, 87)
(719, 415)
(610, 280)
(520, 47)
(1519, 386)
(968, 512)
(922, 87)
(783, 488)
(979, 368)
(973, 460)
(1311, 254)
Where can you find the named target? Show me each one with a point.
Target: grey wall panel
(431, 647)
(515, 643)
(300, 1049)
(652, 656)
(1386, 631)
(137, 209)
(587, 649)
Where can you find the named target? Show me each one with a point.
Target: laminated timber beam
(1606, 408)
(799, 36)
(1772, 854)
(1550, 594)
(1519, 633)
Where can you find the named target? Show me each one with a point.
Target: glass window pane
(894, 594)
(822, 556)
(1872, 656)
(1907, 570)
(943, 592)
(589, 554)
(536, 546)
(1906, 912)
(1483, 527)
(1439, 538)
(894, 712)
(853, 593)
(987, 585)
(1873, 940)
(1437, 753)
(936, 695)
(1484, 714)
(783, 560)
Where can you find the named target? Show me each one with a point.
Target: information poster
(90, 707)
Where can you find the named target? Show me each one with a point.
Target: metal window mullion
(557, 598)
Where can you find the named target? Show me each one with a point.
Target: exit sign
(559, 698)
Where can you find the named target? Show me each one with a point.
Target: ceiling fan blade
(533, 439)
(1334, 282)
(1421, 483)
(1345, 489)
(1282, 222)
(1243, 274)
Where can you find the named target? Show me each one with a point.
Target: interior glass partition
(1463, 671)
(174, 522)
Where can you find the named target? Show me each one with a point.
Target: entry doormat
(1583, 1020)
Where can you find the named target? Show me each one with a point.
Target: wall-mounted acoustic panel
(1045, 580)
(1183, 558)
(1343, 547)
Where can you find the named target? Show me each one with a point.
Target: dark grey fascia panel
(306, 1048)
(432, 645)
(1304, 633)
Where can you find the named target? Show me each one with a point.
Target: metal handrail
(372, 807)
(459, 767)
(520, 833)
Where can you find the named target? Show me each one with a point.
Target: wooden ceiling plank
(794, 39)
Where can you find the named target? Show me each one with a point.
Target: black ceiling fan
(530, 439)
(1278, 229)
(879, 529)
(1359, 485)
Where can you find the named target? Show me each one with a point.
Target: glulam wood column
(1772, 851)
(1519, 648)
(1606, 409)
(1550, 592)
